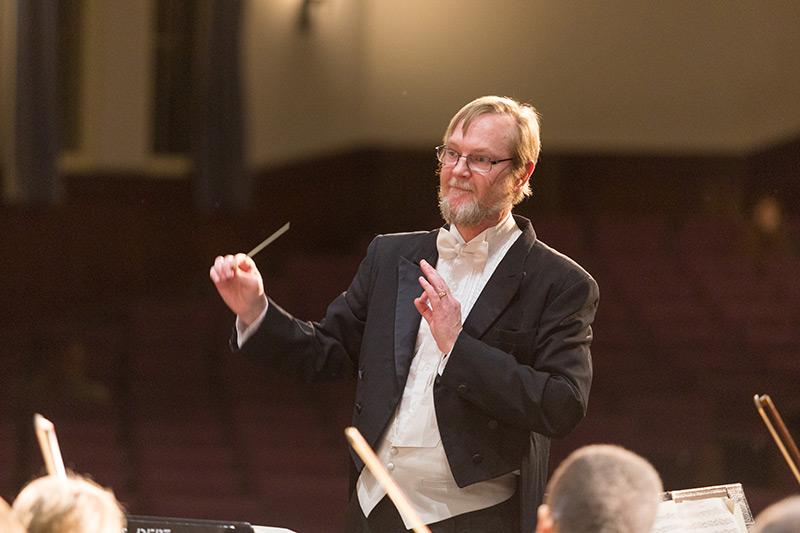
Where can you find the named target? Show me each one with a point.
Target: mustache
(463, 185)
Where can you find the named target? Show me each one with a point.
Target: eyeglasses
(476, 163)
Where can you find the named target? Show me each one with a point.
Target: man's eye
(481, 158)
(451, 154)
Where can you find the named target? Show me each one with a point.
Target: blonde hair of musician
(780, 517)
(601, 488)
(53, 504)
(8, 520)
(526, 143)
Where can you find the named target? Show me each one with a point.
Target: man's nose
(461, 165)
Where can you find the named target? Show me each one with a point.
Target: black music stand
(161, 524)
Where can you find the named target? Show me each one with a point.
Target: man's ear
(524, 175)
(529, 169)
(544, 520)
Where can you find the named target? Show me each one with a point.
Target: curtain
(36, 117)
(221, 182)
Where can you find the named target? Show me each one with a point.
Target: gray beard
(470, 213)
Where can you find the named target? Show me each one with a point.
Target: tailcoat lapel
(494, 298)
(407, 318)
(503, 284)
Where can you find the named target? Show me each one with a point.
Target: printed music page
(708, 515)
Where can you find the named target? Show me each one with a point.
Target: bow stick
(364, 451)
(46, 434)
(783, 438)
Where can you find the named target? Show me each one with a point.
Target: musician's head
(781, 517)
(52, 504)
(8, 520)
(601, 489)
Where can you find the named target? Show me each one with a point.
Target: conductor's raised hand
(439, 308)
(241, 286)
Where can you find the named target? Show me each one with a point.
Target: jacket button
(477, 458)
(492, 424)
(462, 389)
(360, 373)
(358, 407)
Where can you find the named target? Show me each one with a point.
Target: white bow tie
(450, 248)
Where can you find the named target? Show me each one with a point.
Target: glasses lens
(447, 156)
(480, 163)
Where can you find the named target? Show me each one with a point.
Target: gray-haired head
(603, 488)
(780, 517)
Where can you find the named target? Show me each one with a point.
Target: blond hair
(75, 504)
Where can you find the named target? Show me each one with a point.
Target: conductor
(470, 343)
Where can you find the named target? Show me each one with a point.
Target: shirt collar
(495, 235)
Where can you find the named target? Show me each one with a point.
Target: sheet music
(709, 515)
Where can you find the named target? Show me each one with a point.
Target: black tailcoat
(519, 373)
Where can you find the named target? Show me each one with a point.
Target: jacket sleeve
(537, 380)
(317, 350)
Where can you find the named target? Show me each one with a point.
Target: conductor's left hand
(439, 308)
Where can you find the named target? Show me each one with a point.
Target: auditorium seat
(288, 497)
(239, 507)
(7, 460)
(564, 233)
(315, 280)
(626, 235)
(782, 361)
(700, 235)
(200, 477)
(93, 445)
